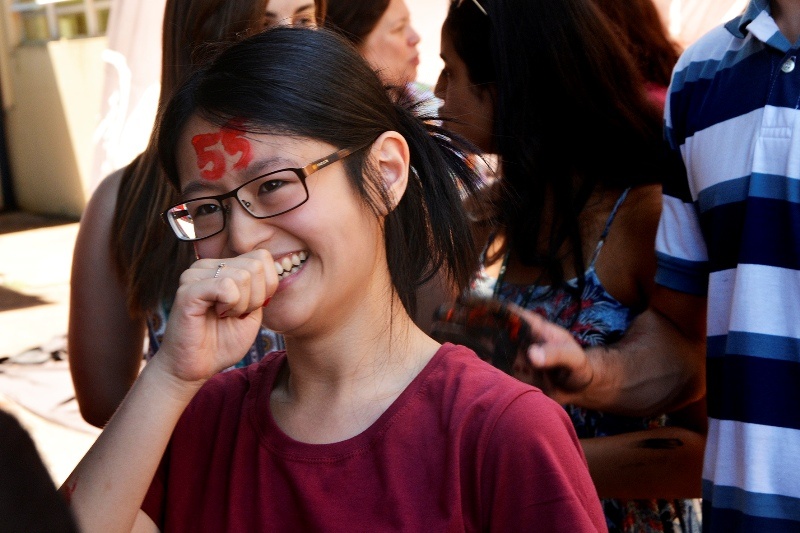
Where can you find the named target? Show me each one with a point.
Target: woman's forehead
(221, 150)
(210, 151)
(289, 6)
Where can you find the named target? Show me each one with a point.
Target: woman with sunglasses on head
(126, 266)
(364, 423)
(544, 85)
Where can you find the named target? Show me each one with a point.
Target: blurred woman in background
(381, 31)
(545, 85)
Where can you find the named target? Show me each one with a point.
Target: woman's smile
(290, 263)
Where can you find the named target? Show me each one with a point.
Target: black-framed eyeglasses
(477, 4)
(265, 196)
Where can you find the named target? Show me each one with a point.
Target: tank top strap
(607, 227)
(486, 246)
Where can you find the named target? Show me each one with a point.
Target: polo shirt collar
(757, 21)
(738, 26)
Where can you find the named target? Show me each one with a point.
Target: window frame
(52, 10)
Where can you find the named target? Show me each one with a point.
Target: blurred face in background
(468, 108)
(290, 13)
(391, 47)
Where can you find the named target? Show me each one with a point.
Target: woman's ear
(391, 158)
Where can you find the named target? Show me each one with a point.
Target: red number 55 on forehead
(217, 152)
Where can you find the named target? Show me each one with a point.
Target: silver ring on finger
(220, 267)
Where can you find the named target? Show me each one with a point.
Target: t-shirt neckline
(277, 441)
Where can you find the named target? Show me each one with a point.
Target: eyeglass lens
(263, 197)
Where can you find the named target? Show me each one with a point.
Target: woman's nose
(245, 232)
(440, 89)
(413, 37)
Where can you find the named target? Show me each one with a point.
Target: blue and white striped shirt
(731, 230)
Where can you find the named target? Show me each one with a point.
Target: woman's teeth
(290, 264)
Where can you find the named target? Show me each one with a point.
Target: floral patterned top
(266, 341)
(597, 319)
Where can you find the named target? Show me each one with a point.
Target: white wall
(56, 102)
(427, 17)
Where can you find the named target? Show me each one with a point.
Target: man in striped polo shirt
(732, 231)
(728, 242)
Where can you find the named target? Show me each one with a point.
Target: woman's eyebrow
(196, 188)
(256, 168)
(266, 165)
(303, 8)
(296, 11)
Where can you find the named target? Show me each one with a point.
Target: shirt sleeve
(680, 247)
(535, 475)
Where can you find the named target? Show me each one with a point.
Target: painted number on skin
(216, 152)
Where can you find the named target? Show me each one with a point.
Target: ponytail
(429, 232)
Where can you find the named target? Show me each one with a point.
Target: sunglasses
(477, 4)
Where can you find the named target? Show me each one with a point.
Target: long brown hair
(646, 37)
(147, 257)
(354, 19)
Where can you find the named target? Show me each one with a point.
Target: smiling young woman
(364, 422)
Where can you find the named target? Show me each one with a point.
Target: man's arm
(657, 367)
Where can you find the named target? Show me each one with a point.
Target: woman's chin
(285, 319)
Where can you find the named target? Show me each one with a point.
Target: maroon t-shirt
(463, 448)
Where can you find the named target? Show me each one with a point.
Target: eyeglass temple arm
(325, 161)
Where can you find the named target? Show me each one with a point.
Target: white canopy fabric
(687, 20)
(131, 85)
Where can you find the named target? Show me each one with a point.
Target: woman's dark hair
(468, 29)
(354, 19)
(645, 37)
(147, 257)
(317, 86)
(571, 116)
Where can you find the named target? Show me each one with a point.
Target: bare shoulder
(633, 234)
(628, 262)
(641, 210)
(103, 202)
(93, 244)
